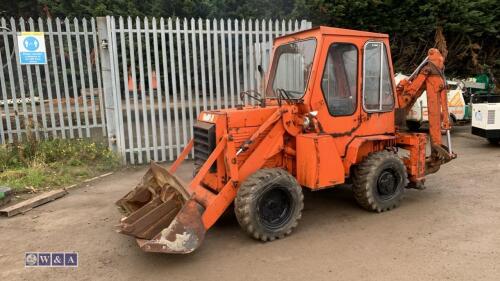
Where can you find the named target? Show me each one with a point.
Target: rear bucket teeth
(439, 156)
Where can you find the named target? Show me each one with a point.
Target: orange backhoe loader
(329, 113)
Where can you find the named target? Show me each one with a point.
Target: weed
(33, 165)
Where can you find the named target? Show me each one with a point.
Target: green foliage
(33, 165)
(469, 27)
(81, 150)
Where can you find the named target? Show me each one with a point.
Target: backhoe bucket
(160, 214)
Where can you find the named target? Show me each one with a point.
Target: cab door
(337, 87)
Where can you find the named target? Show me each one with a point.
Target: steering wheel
(253, 94)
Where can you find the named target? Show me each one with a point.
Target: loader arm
(429, 77)
(188, 211)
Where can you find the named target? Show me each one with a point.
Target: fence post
(107, 81)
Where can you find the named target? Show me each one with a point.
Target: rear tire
(379, 181)
(269, 204)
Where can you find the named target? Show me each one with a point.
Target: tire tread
(244, 200)
(363, 177)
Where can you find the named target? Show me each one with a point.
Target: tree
(469, 28)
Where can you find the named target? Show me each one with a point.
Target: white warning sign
(31, 48)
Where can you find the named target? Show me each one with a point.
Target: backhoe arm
(429, 77)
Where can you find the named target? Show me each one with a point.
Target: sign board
(31, 48)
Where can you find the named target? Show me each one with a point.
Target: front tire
(379, 181)
(269, 204)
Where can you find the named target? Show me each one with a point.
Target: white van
(418, 114)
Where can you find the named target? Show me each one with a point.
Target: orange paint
(320, 154)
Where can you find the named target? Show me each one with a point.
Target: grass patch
(32, 166)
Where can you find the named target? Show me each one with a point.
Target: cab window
(291, 68)
(339, 81)
(377, 86)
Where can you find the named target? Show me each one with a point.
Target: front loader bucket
(160, 214)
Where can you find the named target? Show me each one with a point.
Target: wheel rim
(275, 208)
(387, 184)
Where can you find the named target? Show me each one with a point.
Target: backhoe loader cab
(326, 114)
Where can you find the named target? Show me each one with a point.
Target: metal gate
(61, 99)
(159, 74)
(139, 82)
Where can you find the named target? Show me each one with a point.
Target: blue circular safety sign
(31, 43)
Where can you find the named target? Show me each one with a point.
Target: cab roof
(326, 30)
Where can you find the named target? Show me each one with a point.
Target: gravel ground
(451, 230)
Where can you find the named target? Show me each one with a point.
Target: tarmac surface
(451, 231)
